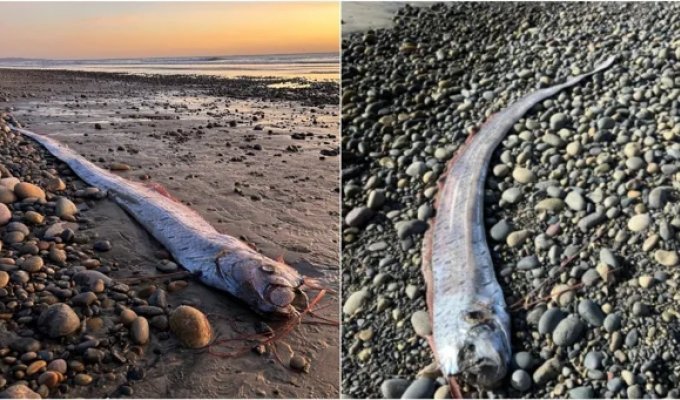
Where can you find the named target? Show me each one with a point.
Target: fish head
(481, 352)
(270, 287)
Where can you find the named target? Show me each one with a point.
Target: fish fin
(160, 189)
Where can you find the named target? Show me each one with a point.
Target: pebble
(355, 301)
(420, 320)
(26, 190)
(612, 322)
(591, 312)
(299, 363)
(65, 208)
(512, 195)
(139, 330)
(575, 201)
(59, 320)
(668, 258)
(19, 391)
(4, 279)
(421, 388)
(190, 326)
(551, 205)
(359, 216)
(523, 175)
(5, 215)
(568, 331)
(520, 380)
(639, 222)
(500, 231)
(549, 320)
(393, 388)
(82, 379)
(547, 371)
(593, 360)
(582, 392)
(517, 238)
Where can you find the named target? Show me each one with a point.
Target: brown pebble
(127, 316)
(299, 363)
(98, 286)
(82, 379)
(32, 264)
(34, 217)
(19, 391)
(139, 330)
(76, 366)
(25, 190)
(4, 279)
(50, 379)
(35, 367)
(190, 326)
(176, 286)
(7, 196)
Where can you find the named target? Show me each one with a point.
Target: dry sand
(263, 186)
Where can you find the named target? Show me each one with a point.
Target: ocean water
(315, 67)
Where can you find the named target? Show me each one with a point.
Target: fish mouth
(481, 358)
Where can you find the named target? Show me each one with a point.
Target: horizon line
(165, 57)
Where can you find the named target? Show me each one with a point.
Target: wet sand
(261, 170)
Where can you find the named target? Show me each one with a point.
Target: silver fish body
(219, 260)
(471, 327)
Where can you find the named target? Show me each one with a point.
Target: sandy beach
(258, 163)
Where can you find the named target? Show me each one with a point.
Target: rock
(528, 262)
(32, 264)
(523, 175)
(299, 363)
(646, 281)
(593, 360)
(658, 197)
(7, 196)
(190, 326)
(607, 257)
(5, 215)
(139, 330)
(517, 238)
(376, 198)
(442, 392)
(50, 379)
(416, 169)
(551, 205)
(102, 245)
(591, 312)
(420, 320)
(119, 166)
(612, 322)
(26, 190)
(393, 388)
(558, 121)
(582, 392)
(668, 258)
(523, 360)
(65, 208)
(59, 320)
(355, 301)
(84, 299)
(406, 229)
(82, 379)
(639, 222)
(520, 380)
(421, 388)
(127, 316)
(575, 201)
(359, 216)
(568, 331)
(547, 372)
(4, 279)
(25, 345)
(499, 232)
(549, 320)
(512, 195)
(605, 123)
(19, 391)
(167, 267)
(591, 220)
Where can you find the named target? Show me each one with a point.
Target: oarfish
(470, 324)
(269, 287)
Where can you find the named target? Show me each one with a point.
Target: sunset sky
(158, 29)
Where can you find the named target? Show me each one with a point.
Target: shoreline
(318, 93)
